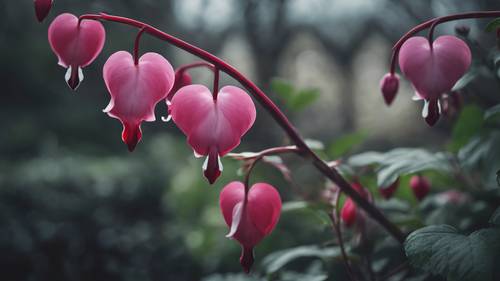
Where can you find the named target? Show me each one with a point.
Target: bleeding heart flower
(135, 90)
(348, 214)
(213, 126)
(42, 8)
(388, 191)
(75, 44)
(420, 186)
(434, 70)
(250, 218)
(389, 86)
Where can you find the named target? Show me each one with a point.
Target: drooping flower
(389, 85)
(434, 70)
(213, 126)
(420, 186)
(75, 44)
(388, 191)
(42, 8)
(250, 218)
(135, 90)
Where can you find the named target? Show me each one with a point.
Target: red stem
(216, 82)
(275, 112)
(195, 65)
(432, 23)
(136, 46)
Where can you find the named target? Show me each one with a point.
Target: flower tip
(131, 135)
(389, 85)
(212, 167)
(73, 77)
(246, 259)
(431, 112)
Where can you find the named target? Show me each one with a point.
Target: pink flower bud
(387, 192)
(420, 186)
(135, 90)
(435, 71)
(389, 86)
(76, 46)
(42, 8)
(213, 126)
(252, 219)
(349, 212)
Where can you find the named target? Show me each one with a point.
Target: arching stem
(432, 23)
(273, 110)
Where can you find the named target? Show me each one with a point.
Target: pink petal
(135, 90)
(73, 45)
(251, 220)
(264, 207)
(213, 127)
(434, 72)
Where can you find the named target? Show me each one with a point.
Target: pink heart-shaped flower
(135, 90)
(76, 45)
(252, 219)
(434, 71)
(213, 126)
(42, 8)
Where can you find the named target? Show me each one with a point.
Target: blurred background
(76, 205)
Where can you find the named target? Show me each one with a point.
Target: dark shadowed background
(76, 205)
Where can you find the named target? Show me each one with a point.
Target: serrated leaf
(302, 99)
(493, 25)
(492, 111)
(440, 249)
(282, 88)
(345, 143)
(495, 218)
(465, 80)
(278, 260)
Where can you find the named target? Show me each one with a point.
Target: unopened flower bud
(420, 186)
(389, 86)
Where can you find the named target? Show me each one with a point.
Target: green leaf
(366, 158)
(282, 88)
(465, 80)
(345, 143)
(314, 144)
(493, 25)
(279, 259)
(469, 123)
(492, 111)
(303, 99)
(440, 249)
(402, 161)
(495, 218)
